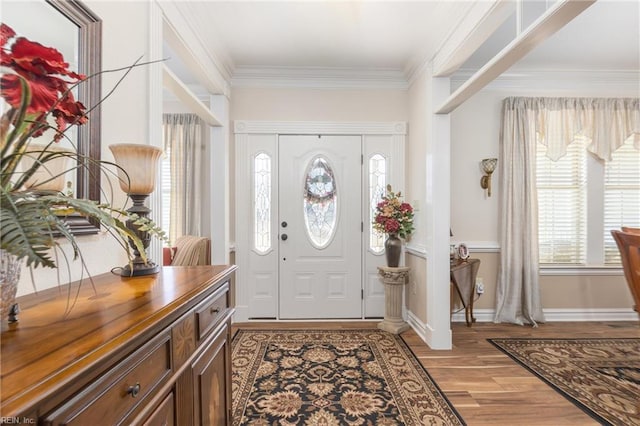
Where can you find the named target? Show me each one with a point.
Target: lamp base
(139, 269)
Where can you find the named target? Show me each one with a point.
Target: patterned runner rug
(601, 376)
(332, 378)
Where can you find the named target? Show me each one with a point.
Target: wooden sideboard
(151, 350)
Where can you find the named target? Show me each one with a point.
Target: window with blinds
(562, 193)
(621, 196)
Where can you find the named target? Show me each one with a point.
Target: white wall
(125, 117)
(318, 104)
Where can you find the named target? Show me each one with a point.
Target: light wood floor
(483, 384)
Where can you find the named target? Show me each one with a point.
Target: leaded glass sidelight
(377, 184)
(262, 202)
(320, 202)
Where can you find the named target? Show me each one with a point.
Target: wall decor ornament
(463, 251)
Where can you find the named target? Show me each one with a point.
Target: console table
(150, 350)
(394, 280)
(463, 277)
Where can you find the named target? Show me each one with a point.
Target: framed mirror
(89, 58)
(74, 30)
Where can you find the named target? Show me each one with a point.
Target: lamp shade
(138, 165)
(489, 164)
(50, 176)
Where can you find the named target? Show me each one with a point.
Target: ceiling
(394, 36)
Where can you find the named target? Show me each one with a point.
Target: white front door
(320, 226)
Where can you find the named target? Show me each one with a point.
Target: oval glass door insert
(320, 202)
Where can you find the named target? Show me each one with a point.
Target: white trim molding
(417, 250)
(556, 270)
(319, 78)
(418, 326)
(562, 315)
(480, 246)
(557, 80)
(597, 314)
(319, 127)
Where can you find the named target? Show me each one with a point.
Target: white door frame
(256, 296)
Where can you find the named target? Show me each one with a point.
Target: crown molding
(558, 80)
(319, 78)
(320, 127)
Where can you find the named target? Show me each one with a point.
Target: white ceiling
(394, 35)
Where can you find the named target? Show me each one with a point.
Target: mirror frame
(89, 93)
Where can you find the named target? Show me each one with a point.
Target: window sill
(560, 270)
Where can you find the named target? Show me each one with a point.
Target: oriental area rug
(332, 378)
(601, 376)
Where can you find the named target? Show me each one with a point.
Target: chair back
(191, 251)
(629, 246)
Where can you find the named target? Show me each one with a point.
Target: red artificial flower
(44, 92)
(391, 226)
(29, 58)
(406, 207)
(40, 66)
(6, 32)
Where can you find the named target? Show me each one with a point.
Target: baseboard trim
(439, 341)
(562, 315)
(418, 326)
(241, 314)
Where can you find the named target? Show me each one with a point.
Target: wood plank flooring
(484, 385)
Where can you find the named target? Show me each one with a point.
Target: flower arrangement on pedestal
(36, 86)
(394, 218)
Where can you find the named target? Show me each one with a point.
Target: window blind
(562, 219)
(621, 196)
(165, 189)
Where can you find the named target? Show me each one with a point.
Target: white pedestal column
(394, 280)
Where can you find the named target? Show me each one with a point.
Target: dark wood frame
(89, 93)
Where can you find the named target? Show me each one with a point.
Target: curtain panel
(518, 291)
(183, 141)
(555, 122)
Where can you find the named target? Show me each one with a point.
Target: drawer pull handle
(134, 390)
(214, 311)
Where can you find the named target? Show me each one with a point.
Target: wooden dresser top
(48, 348)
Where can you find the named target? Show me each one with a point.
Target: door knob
(284, 237)
(284, 224)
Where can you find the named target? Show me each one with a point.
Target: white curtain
(183, 141)
(555, 122)
(518, 291)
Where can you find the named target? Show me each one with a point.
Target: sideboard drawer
(210, 312)
(117, 394)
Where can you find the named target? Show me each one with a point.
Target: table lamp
(137, 170)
